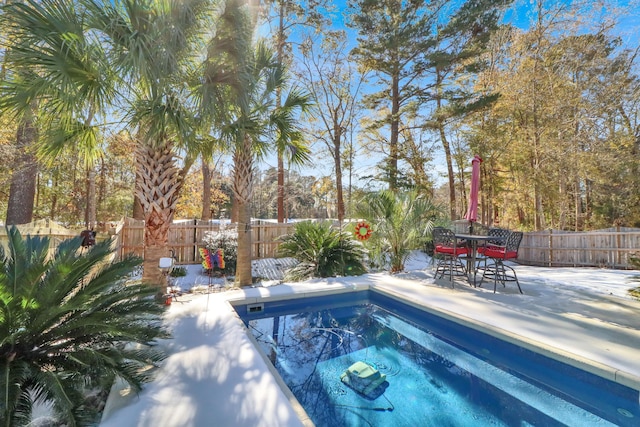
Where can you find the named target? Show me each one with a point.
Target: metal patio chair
(447, 253)
(498, 251)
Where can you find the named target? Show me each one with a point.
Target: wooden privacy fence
(44, 228)
(185, 237)
(609, 248)
(58, 233)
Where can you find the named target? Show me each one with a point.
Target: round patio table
(475, 239)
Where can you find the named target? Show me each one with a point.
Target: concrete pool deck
(214, 375)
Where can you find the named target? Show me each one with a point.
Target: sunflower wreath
(363, 231)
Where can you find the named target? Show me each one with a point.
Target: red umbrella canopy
(472, 212)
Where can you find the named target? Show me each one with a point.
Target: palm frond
(400, 222)
(322, 252)
(62, 135)
(69, 320)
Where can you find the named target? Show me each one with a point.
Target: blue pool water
(438, 372)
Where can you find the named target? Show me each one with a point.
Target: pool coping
(594, 367)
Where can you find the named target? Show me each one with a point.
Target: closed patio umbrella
(472, 211)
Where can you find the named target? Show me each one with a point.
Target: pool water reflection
(437, 372)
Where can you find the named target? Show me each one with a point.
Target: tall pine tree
(416, 50)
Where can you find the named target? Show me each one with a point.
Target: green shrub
(70, 323)
(322, 251)
(401, 222)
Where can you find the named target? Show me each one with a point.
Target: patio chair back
(444, 241)
(501, 235)
(513, 244)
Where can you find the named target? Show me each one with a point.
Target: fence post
(194, 249)
(550, 247)
(125, 237)
(618, 244)
(259, 238)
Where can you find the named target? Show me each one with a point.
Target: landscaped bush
(227, 240)
(69, 325)
(322, 251)
(400, 222)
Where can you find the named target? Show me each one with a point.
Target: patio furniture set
(481, 250)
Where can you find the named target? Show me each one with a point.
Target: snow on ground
(215, 376)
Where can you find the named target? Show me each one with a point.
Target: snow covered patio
(215, 376)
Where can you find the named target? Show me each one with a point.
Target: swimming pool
(438, 372)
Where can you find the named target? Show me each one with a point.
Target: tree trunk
(152, 273)
(395, 132)
(243, 190)
(159, 182)
(234, 209)
(54, 205)
(536, 166)
(138, 212)
(23, 180)
(206, 191)
(445, 146)
(280, 37)
(337, 138)
(449, 160)
(101, 185)
(243, 268)
(539, 222)
(90, 208)
(281, 215)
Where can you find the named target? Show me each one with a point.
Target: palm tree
(138, 63)
(68, 323)
(250, 134)
(158, 46)
(169, 79)
(252, 140)
(400, 222)
(248, 77)
(60, 67)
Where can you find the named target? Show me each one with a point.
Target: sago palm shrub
(400, 223)
(68, 324)
(322, 251)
